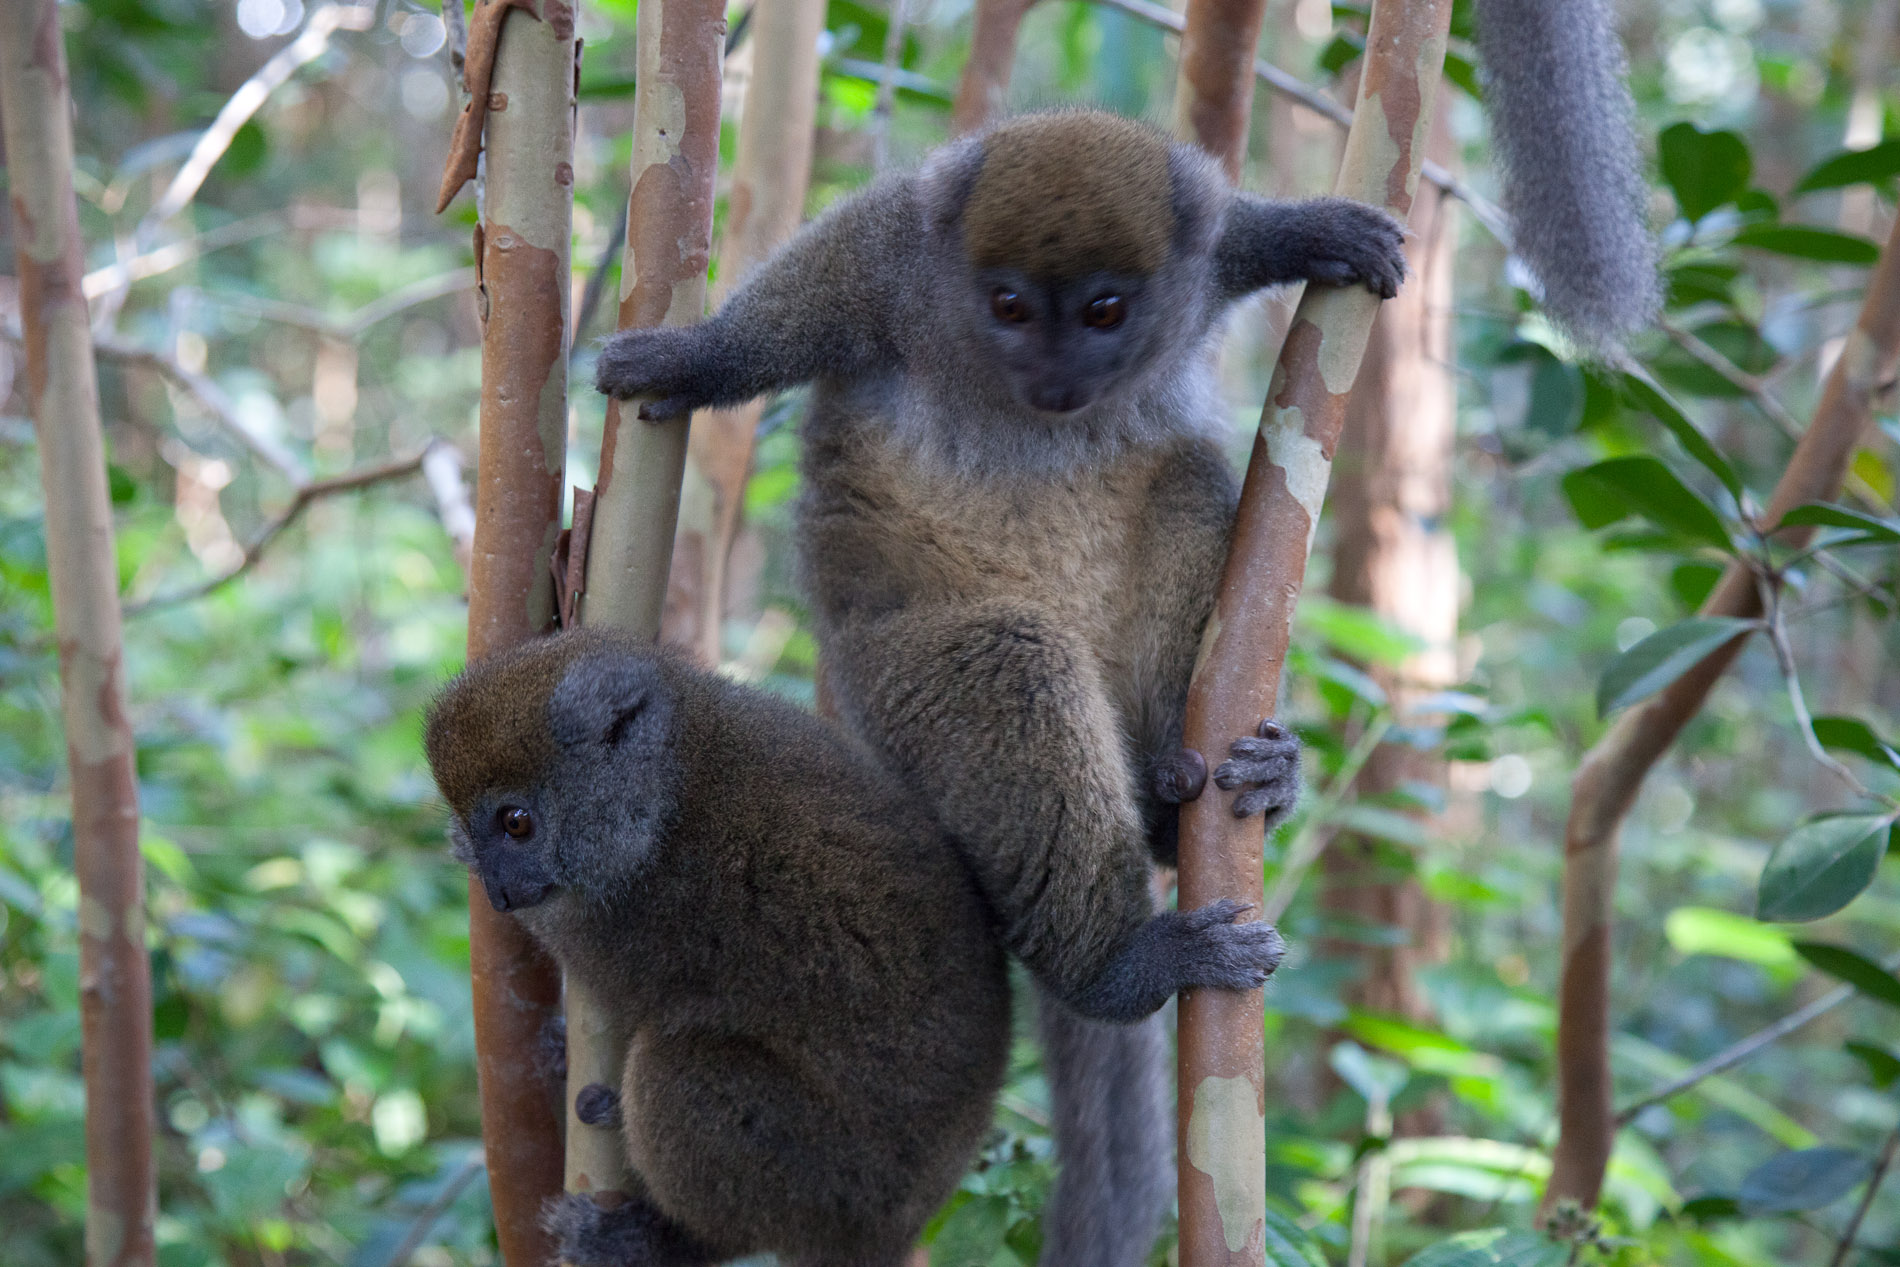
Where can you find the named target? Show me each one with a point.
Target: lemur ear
(945, 181)
(604, 699)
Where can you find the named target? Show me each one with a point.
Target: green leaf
(1375, 1078)
(1646, 394)
(1789, 1183)
(1692, 582)
(1704, 169)
(1883, 1066)
(1803, 241)
(1702, 281)
(1652, 490)
(1711, 1208)
(1661, 658)
(972, 1234)
(1493, 1247)
(1850, 734)
(1854, 968)
(1824, 515)
(1822, 866)
(1702, 930)
(1594, 505)
(1853, 167)
(1460, 72)
(1341, 53)
(1289, 1244)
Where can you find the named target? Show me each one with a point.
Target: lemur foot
(1266, 767)
(631, 1234)
(1180, 776)
(1363, 245)
(1216, 950)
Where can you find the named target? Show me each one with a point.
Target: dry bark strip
(115, 985)
(1612, 772)
(636, 503)
(521, 250)
(771, 173)
(1236, 683)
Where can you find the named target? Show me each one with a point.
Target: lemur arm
(823, 306)
(1333, 241)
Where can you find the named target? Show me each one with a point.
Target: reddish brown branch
(1213, 99)
(1612, 772)
(115, 984)
(1222, 1105)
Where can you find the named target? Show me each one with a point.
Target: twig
(353, 325)
(455, 25)
(306, 495)
(1306, 847)
(117, 276)
(597, 282)
(247, 100)
(1735, 377)
(426, 1218)
(1852, 1230)
(442, 468)
(1292, 87)
(210, 398)
(1741, 1050)
(1784, 657)
(887, 86)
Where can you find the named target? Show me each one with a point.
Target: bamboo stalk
(636, 503)
(115, 985)
(1612, 772)
(771, 174)
(1236, 683)
(522, 254)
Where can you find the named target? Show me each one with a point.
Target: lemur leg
(1001, 720)
(1112, 1118)
(631, 1234)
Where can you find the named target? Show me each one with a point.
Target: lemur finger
(1245, 955)
(1214, 914)
(1275, 797)
(1247, 771)
(1258, 749)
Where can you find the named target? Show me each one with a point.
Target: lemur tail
(1114, 1131)
(1562, 129)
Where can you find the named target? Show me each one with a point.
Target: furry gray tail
(1563, 132)
(1114, 1130)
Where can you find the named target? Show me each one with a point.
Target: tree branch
(1293, 88)
(1612, 772)
(1852, 1230)
(305, 496)
(247, 100)
(426, 1218)
(353, 325)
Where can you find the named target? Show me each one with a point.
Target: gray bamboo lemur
(808, 984)
(1015, 516)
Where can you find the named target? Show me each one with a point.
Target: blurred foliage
(308, 936)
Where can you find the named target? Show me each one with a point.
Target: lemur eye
(517, 822)
(1105, 313)
(1008, 305)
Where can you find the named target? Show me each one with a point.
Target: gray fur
(1012, 533)
(813, 1001)
(1563, 132)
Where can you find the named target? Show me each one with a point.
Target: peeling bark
(771, 173)
(1213, 99)
(521, 249)
(1611, 774)
(636, 503)
(1222, 1193)
(115, 984)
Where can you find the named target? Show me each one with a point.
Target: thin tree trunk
(522, 256)
(1612, 772)
(771, 173)
(1222, 1100)
(983, 91)
(115, 984)
(1393, 552)
(1213, 98)
(636, 503)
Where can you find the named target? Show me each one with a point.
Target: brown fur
(1071, 193)
(814, 1006)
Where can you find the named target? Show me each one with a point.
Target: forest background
(1514, 548)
